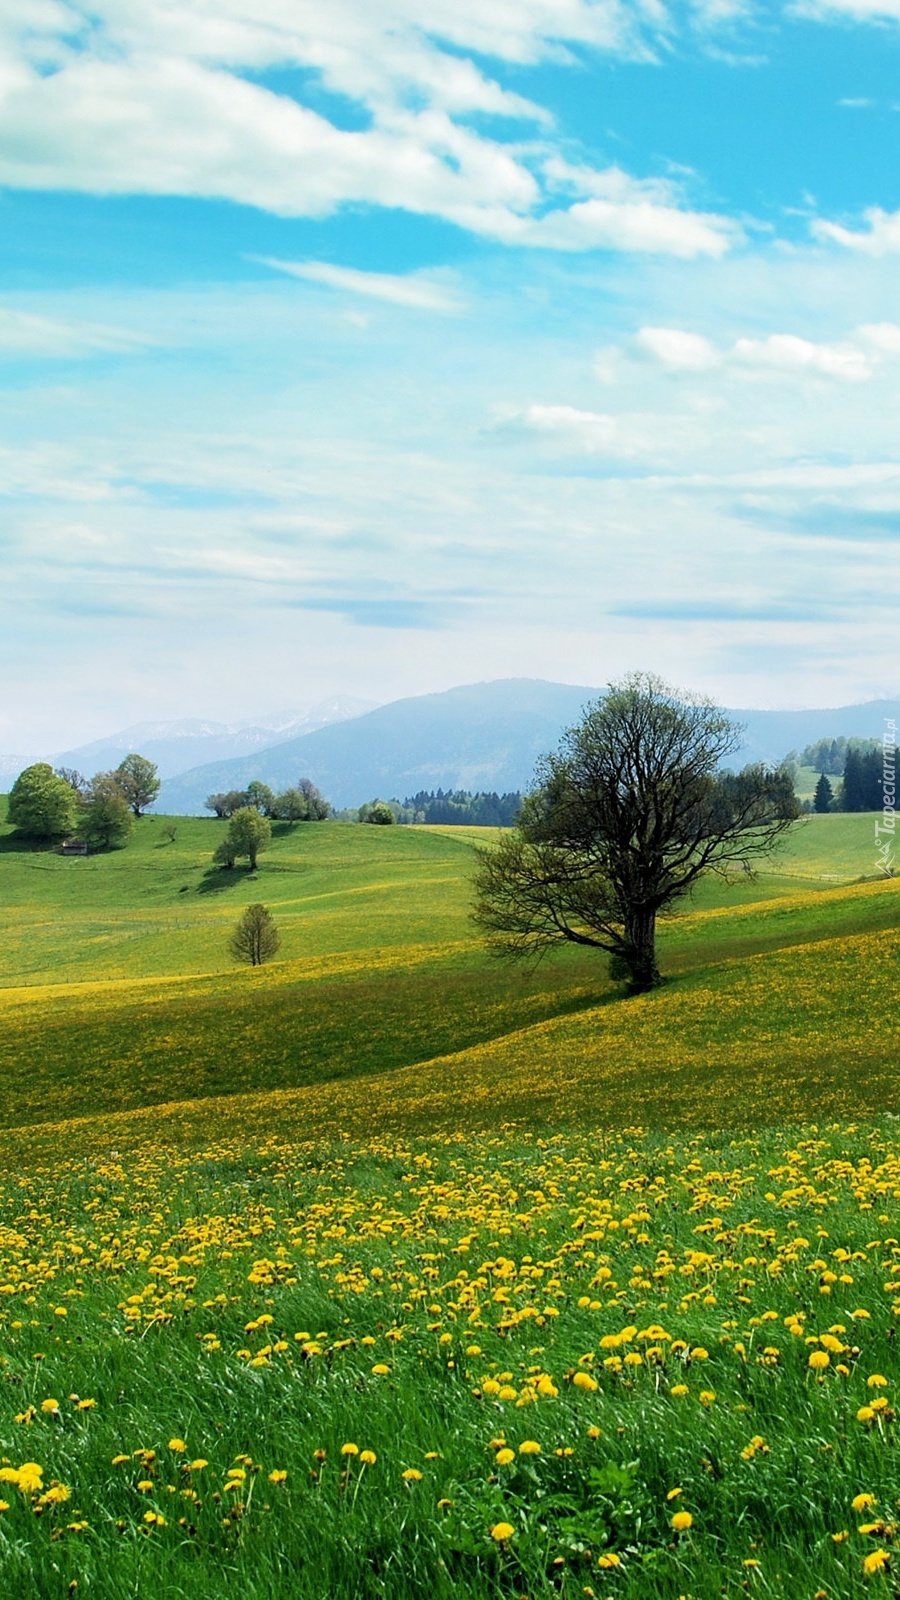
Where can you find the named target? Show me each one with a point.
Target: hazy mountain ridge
(480, 736)
(178, 746)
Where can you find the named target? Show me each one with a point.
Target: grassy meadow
(390, 1270)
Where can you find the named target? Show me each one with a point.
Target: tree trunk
(640, 936)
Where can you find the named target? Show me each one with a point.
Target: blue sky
(377, 349)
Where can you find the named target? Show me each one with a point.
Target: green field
(389, 1193)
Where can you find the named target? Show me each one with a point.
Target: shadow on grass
(218, 880)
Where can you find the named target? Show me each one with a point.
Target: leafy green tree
(249, 833)
(42, 805)
(823, 799)
(261, 796)
(225, 854)
(138, 780)
(106, 820)
(290, 806)
(317, 807)
(255, 939)
(626, 816)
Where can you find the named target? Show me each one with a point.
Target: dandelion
(411, 1475)
(198, 1465)
(707, 1396)
(278, 1475)
(349, 1449)
(505, 1456)
(50, 1408)
(529, 1447)
(609, 1559)
(368, 1457)
(681, 1521)
(679, 1389)
(502, 1531)
(674, 1493)
(583, 1380)
(381, 1369)
(177, 1446)
(876, 1562)
(862, 1502)
(819, 1360)
(876, 1381)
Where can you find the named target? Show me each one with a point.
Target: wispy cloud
(23, 333)
(879, 237)
(416, 290)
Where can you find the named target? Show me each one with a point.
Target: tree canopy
(139, 782)
(41, 804)
(630, 811)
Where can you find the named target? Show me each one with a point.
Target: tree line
(303, 802)
(861, 785)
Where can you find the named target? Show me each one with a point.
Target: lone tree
(249, 833)
(626, 816)
(137, 778)
(42, 805)
(255, 939)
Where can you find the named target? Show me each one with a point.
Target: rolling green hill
(119, 992)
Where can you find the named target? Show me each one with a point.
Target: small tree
(260, 796)
(317, 807)
(106, 820)
(255, 939)
(225, 854)
(137, 778)
(290, 806)
(75, 779)
(823, 799)
(42, 805)
(249, 833)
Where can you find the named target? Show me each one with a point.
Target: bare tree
(626, 816)
(255, 939)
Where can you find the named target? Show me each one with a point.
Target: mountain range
(484, 736)
(481, 736)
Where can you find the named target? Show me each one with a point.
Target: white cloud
(880, 237)
(416, 290)
(851, 360)
(679, 350)
(149, 98)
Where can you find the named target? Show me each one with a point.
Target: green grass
(388, 1192)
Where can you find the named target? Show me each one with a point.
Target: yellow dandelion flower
(609, 1559)
(674, 1493)
(505, 1456)
(865, 1414)
(681, 1521)
(50, 1408)
(278, 1475)
(583, 1380)
(862, 1502)
(876, 1562)
(679, 1389)
(594, 1432)
(381, 1369)
(198, 1465)
(707, 1396)
(819, 1360)
(411, 1475)
(349, 1449)
(876, 1381)
(501, 1531)
(368, 1457)
(529, 1447)
(178, 1446)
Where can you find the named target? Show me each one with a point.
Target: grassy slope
(119, 965)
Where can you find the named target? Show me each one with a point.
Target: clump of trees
(626, 816)
(859, 765)
(302, 802)
(47, 805)
(255, 939)
(829, 755)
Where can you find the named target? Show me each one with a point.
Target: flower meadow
(485, 1364)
